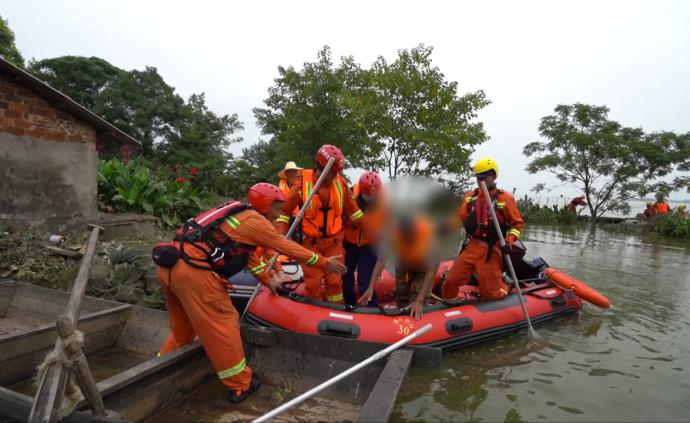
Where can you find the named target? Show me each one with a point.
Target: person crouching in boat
(482, 253)
(410, 242)
(360, 236)
(322, 224)
(213, 247)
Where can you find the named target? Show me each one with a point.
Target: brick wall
(23, 113)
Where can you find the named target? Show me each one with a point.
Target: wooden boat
(121, 343)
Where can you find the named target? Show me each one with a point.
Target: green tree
(200, 140)
(7, 47)
(423, 126)
(608, 162)
(259, 162)
(308, 108)
(81, 78)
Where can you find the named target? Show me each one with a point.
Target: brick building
(48, 156)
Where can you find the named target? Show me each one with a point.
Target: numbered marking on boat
(404, 325)
(452, 313)
(341, 316)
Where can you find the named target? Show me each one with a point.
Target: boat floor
(18, 320)
(209, 403)
(103, 365)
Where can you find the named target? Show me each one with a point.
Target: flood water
(629, 363)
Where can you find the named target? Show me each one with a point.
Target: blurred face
(290, 174)
(274, 211)
(488, 180)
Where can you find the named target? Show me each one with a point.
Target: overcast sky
(527, 56)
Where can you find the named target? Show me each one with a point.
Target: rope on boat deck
(57, 356)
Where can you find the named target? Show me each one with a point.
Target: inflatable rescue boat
(549, 294)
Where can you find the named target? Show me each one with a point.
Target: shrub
(671, 224)
(133, 187)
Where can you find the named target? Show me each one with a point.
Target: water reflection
(629, 363)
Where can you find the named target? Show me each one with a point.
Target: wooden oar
(509, 262)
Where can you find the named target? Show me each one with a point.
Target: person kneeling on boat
(482, 253)
(215, 246)
(410, 241)
(360, 236)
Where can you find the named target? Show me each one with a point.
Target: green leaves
(7, 47)
(610, 163)
(401, 117)
(131, 187)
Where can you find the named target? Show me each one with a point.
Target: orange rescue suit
(322, 227)
(198, 302)
(476, 257)
(661, 207)
(365, 231)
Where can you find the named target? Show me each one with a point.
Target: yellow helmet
(682, 206)
(650, 204)
(484, 165)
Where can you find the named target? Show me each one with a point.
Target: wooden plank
(379, 405)
(15, 407)
(145, 330)
(59, 298)
(7, 289)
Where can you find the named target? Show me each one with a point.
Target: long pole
(294, 225)
(342, 375)
(487, 197)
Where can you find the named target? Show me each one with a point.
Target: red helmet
(262, 195)
(369, 183)
(326, 152)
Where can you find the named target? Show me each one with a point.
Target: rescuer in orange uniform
(482, 254)
(410, 242)
(287, 176)
(322, 224)
(213, 247)
(361, 235)
(661, 205)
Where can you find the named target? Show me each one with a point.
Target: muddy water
(631, 363)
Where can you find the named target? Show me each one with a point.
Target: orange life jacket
(283, 185)
(661, 207)
(413, 250)
(323, 220)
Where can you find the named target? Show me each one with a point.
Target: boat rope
(57, 356)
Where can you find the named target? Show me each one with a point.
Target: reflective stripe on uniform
(232, 371)
(469, 199)
(309, 188)
(232, 221)
(500, 205)
(514, 232)
(356, 215)
(283, 219)
(313, 259)
(339, 190)
(257, 269)
(335, 298)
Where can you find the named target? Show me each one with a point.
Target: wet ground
(630, 363)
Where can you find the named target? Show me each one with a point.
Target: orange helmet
(369, 183)
(326, 152)
(262, 195)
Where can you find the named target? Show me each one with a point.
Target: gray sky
(527, 56)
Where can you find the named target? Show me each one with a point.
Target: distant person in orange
(661, 205)
(361, 236)
(410, 242)
(575, 203)
(482, 253)
(322, 224)
(649, 212)
(287, 176)
(213, 247)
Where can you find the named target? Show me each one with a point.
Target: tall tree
(608, 162)
(308, 108)
(424, 126)
(81, 78)
(7, 47)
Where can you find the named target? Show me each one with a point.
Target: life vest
(412, 245)
(479, 224)
(661, 207)
(323, 220)
(213, 249)
(284, 186)
(355, 232)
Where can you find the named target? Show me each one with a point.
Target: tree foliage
(610, 163)
(402, 117)
(7, 47)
